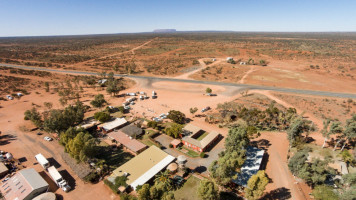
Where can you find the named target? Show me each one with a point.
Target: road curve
(151, 78)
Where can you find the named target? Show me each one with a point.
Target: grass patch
(189, 189)
(117, 114)
(113, 159)
(202, 136)
(190, 153)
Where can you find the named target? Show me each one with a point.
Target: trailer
(58, 179)
(42, 161)
(131, 94)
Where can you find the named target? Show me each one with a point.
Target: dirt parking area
(26, 145)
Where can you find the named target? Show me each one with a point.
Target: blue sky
(67, 17)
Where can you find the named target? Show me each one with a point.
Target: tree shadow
(262, 144)
(6, 139)
(279, 193)
(200, 169)
(309, 139)
(59, 197)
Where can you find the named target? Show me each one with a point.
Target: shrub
(170, 145)
(152, 124)
(92, 177)
(202, 155)
(102, 116)
(176, 116)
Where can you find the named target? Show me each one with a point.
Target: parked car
(205, 109)
(48, 138)
(9, 97)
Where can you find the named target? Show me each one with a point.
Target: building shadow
(52, 185)
(279, 193)
(54, 163)
(264, 161)
(22, 159)
(213, 144)
(69, 178)
(59, 197)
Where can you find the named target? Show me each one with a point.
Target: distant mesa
(164, 30)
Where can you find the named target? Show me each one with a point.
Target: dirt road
(283, 184)
(247, 86)
(116, 54)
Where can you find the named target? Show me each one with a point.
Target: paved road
(246, 86)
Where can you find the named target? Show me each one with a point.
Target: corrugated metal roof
(22, 184)
(251, 165)
(144, 166)
(132, 144)
(114, 124)
(132, 130)
(204, 142)
(191, 128)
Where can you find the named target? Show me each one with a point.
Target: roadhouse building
(143, 167)
(192, 140)
(24, 185)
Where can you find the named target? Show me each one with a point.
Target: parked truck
(42, 161)
(58, 179)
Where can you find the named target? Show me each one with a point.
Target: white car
(47, 138)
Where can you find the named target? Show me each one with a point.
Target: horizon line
(183, 31)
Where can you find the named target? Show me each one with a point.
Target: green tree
(162, 181)
(176, 116)
(350, 131)
(60, 120)
(102, 116)
(296, 129)
(174, 130)
(256, 185)
(34, 116)
(98, 101)
(237, 139)
(298, 161)
(323, 192)
(152, 124)
(193, 110)
(331, 128)
(144, 192)
(82, 147)
(46, 86)
(207, 190)
(112, 87)
(208, 90)
(263, 63)
(168, 196)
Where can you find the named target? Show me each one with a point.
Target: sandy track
(252, 69)
(116, 54)
(277, 169)
(317, 122)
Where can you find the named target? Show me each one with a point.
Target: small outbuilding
(132, 131)
(114, 124)
(130, 144)
(173, 167)
(175, 143)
